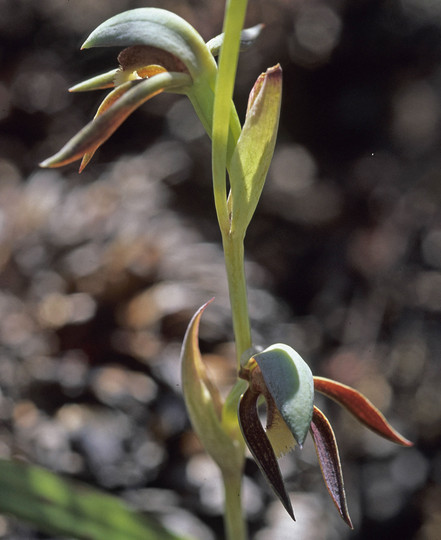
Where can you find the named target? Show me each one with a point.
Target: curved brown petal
(360, 407)
(259, 445)
(108, 101)
(329, 459)
(101, 128)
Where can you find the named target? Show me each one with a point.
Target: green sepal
(254, 150)
(157, 28)
(204, 403)
(289, 380)
(247, 38)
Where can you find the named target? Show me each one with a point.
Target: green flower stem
(235, 526)
(234, 263)
(223, 118)
(228, 58)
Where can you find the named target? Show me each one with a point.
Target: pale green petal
(99, 82)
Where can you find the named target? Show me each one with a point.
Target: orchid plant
(163, 53)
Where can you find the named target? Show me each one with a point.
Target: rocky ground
(100, 273)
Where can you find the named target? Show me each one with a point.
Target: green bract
(204, 403)
(255, 147)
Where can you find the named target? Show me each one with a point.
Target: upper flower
(163, 53)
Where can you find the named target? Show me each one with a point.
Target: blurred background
(100, 273)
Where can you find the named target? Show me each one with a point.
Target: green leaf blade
(59, 506)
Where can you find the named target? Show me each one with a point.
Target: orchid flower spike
(163, 53)
(285, 381)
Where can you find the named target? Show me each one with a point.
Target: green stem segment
(234, 521)
(234, 263)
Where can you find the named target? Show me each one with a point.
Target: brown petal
(101, 128)
(260, 447)
(109, 100)
(329, 459)
(137, 56)
(360, 407)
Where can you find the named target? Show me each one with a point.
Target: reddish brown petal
(138, 56)
(260, 447)
(360, 407)
(109, 100)
(329, 459)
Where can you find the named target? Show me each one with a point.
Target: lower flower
(280, 437)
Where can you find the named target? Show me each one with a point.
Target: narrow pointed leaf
(254, 150)
(158, 28)
(261, 448)
(289, 381)
(99, 82)
(329, 459)
(100, 129)
(203, 402)
(70, 509)
(358, 405)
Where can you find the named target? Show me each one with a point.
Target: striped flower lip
(267, 445)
